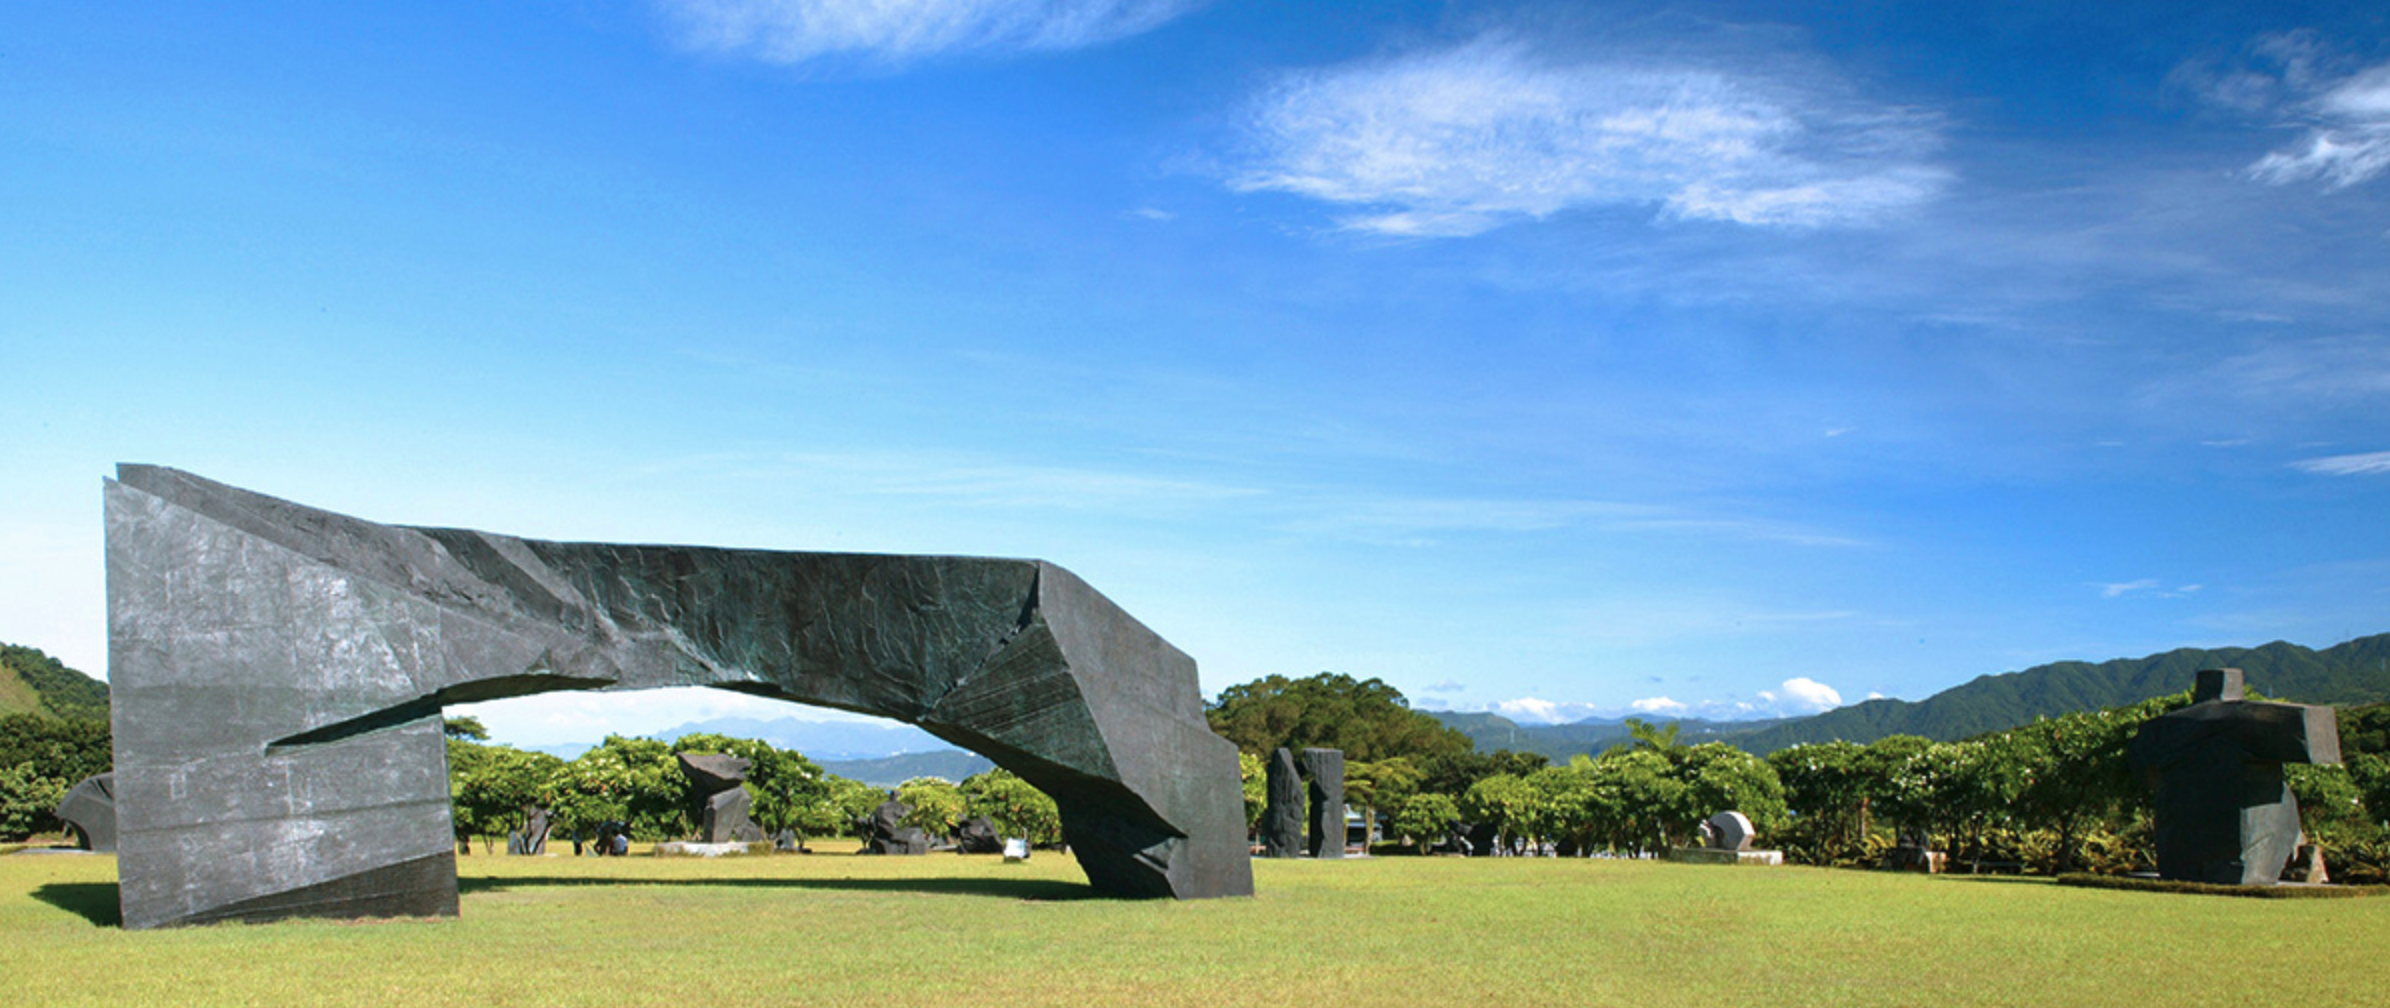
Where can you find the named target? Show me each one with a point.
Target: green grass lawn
(834, 929)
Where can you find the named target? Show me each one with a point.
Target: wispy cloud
(1794, 697)
(2145, 588)
(898, 31)
(2296, 81)
(1463, 140)
(2366, 464)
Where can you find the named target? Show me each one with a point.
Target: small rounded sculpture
(1728, 831)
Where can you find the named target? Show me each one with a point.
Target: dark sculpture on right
(1325, 769)
(2224, 814)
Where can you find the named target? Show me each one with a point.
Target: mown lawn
(834, 929)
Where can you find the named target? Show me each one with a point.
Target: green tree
(1826, 796)
(1365, 718)
(467, 728)
(490, 786)
(1426, 818)
(938, 805)
(1017, 808)
(1505, 802)
(27, 799)
(635, 780)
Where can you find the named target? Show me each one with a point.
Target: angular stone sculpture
(728, 807)
(885, 832)
(2224, 814)
(1730, 831)
(977, 835)
(277, 674)
(1324, 768)
(1282, 816)
(90, 809)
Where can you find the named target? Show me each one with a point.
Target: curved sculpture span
(277, 673)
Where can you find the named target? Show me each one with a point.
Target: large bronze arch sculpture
(277, 673)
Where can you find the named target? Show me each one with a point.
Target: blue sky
(1558, 359)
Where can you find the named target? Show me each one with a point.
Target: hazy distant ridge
(2352, 672)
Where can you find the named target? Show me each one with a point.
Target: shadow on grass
(1020, 889)
(93, 901)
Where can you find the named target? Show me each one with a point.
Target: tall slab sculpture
(277, 674)
(2224, 813)
(1282, 813)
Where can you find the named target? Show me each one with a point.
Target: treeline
(2053, 795)
(55, 733)
(638, 782)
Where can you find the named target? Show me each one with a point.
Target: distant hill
(2353, 672)
(821, 741)
(35, 683)
(1560, 742)
(890, 771)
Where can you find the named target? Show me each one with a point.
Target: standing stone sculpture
(277, 674)
(1324, 768)
(2224, 814)
(728, 807)
(89, 808)
(1282, 816)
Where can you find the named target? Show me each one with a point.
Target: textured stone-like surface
(1729, 831)
(714, 772)
(1324, 769)
(277, 673)
(2224, 814)
(90, 807)
(977, 835)
(729, 809)
(1282, 813)
(885, 831)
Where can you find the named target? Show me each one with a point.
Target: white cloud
(895, 31)
(1658, 705)
(1802, 691)
(1529, 709)
(2367, 464)
(1460, 141)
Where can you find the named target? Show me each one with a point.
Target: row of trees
(41, 756)
(2054, 795)
(638, 782)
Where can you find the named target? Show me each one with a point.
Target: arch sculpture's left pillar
(277, 672)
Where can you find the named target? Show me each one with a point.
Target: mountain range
(2352, 672)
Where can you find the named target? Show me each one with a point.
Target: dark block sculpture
(1282, 814)
(884, 830)
(277, 674)
(2224, 814)
(729, 809)
(977, 835)
(89, 808)
(1324, 768)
